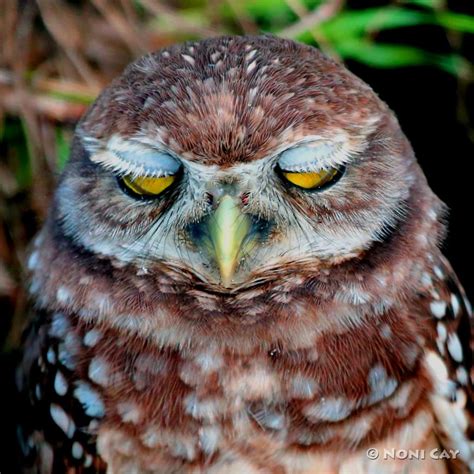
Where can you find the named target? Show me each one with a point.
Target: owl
(240, 273)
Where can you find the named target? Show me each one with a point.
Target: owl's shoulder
(449, 357)
(59, 411)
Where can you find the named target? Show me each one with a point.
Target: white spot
(77, 450)
(51, 356)
(39, 239)
(92, 337)
(99, 371)
(422, 239)
(38, 392)
(329, 409)
(209, 361)
(250, 55)
(269, 419)
(183, 449)
(63, 295)
(438, 308)
(439, 374)
(63, 420)
(85, 280)
(59, 326)
(454, 347)
(129, 412)
(209, 438)
(90, 399)
(442, 332)
(435, 294)
(93, 426)
(35, 285)
(386, 331)
(462, 375)
(380, 385)
(165, 54)
(60, 384)
(207, 409)
(65, 357)
(252, 384)
(33, 260)
(188, 59)
(251, 67)
(468, 305)
(151, 438)
(438, 272)
(303, 387)
(88, 459)
(357, 430)
(455, 304)
(426, 279)
(401, 397)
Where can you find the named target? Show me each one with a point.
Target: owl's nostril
(210, 199)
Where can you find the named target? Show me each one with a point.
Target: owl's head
(234, 160)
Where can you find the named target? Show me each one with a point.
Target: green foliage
(354, 34)
(62, 148)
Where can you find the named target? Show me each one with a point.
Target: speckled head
(244, 164)
(232, 99)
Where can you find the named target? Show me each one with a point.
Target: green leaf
(395, 56)
(74, 97)
(269, 9)
(380, 55)
(270, 15)
(430, 4)
(360, 22)
(453, 63)
(62, 148)
(456, 21)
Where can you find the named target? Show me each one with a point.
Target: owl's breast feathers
(105, 394)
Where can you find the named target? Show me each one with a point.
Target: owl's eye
(312, 180)
(302, 166)
(148, 186)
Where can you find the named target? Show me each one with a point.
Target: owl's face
(233, 160)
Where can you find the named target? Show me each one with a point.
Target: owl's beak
(229, 230)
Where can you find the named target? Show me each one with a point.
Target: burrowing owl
(240, 273)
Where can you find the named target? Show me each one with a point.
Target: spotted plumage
(240, 273)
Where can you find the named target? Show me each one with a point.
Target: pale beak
(229, 230)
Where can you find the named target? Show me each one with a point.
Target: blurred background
(56, 56)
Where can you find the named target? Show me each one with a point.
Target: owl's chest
(158, 408)
(205, 414)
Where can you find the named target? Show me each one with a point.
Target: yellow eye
(148, 186)
(311, 179)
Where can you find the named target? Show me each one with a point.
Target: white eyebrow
(316, 155)
(133, 158)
